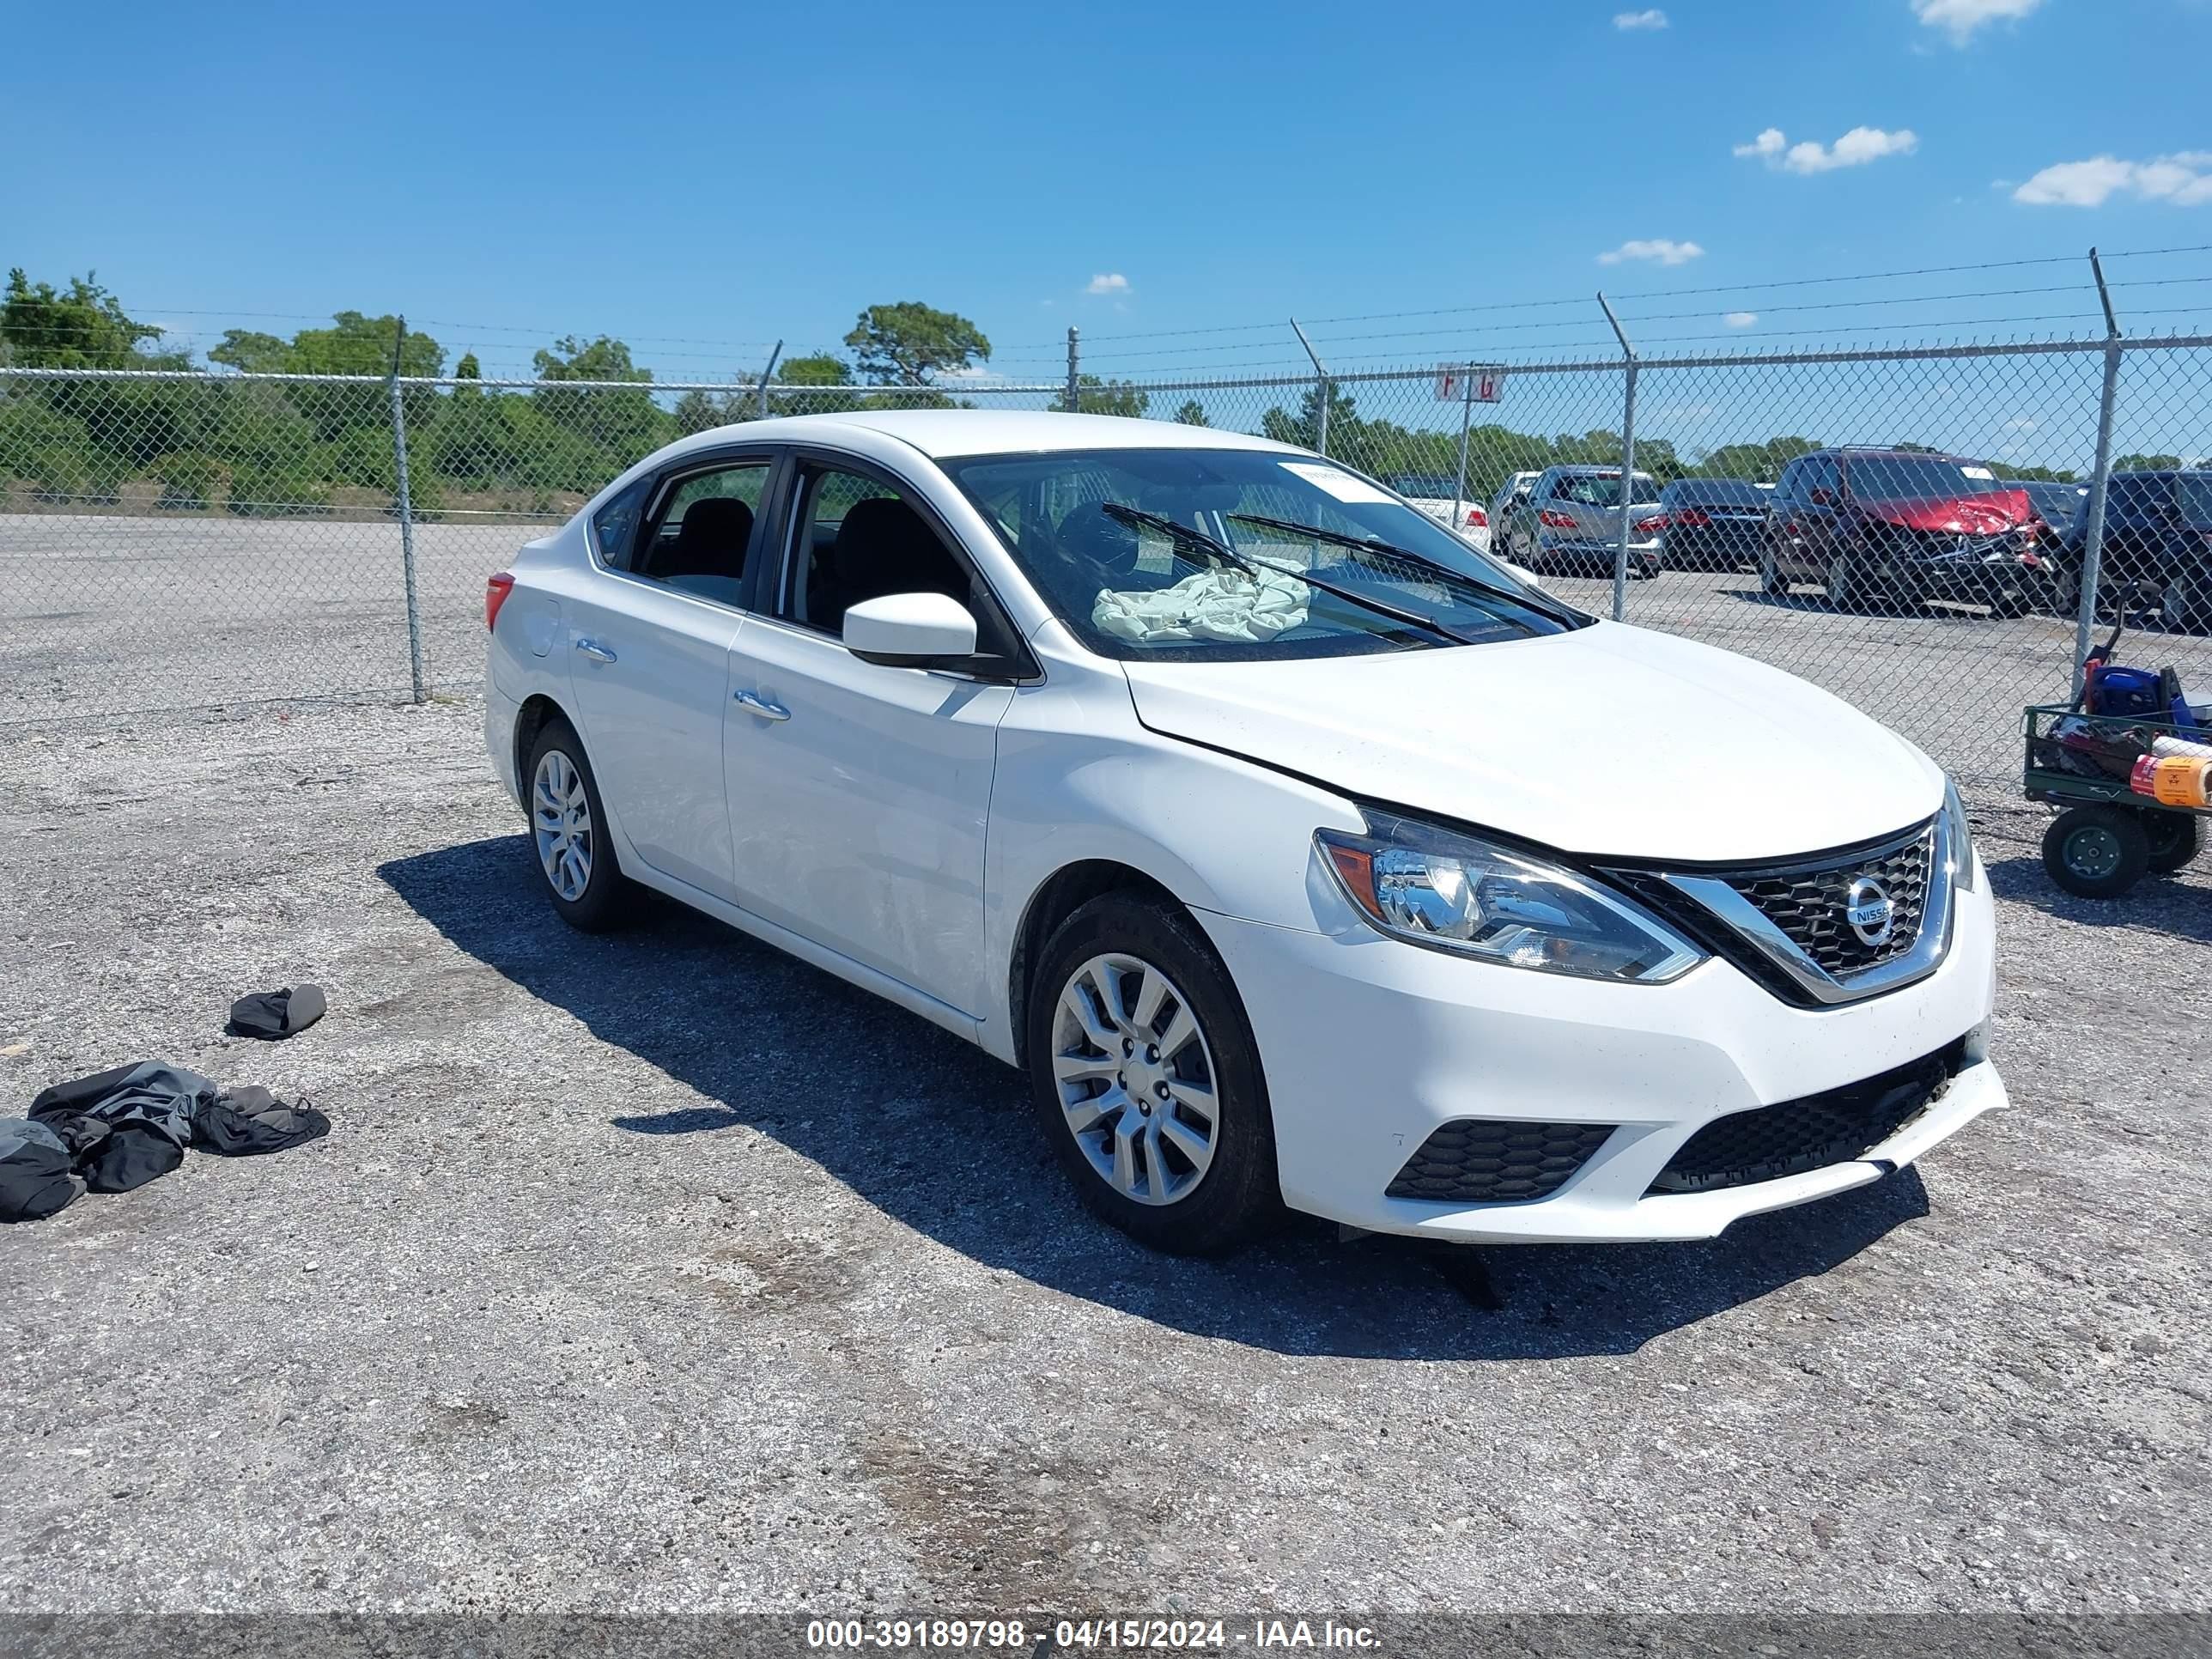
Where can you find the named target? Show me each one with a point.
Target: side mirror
(910, 630)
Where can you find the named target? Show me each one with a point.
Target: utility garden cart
(2107, 836)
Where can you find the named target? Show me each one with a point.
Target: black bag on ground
(35, 1171)
(251, 1120)
(270, 1015)
(125, 1126)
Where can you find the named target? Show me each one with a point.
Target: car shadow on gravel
(886, 1103)
(2176, 907)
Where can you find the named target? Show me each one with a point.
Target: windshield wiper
(1188, 537)
(1376, 544)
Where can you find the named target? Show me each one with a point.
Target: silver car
(1571, 520)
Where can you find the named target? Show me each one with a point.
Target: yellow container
(2173, 781)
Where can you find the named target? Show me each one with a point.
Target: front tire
(567, 830)
(2096, 852)
(1146, 1079)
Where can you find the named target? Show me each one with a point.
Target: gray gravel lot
(660, 1271)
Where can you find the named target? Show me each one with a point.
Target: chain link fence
(174, 538)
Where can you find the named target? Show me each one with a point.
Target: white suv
(1299, 853)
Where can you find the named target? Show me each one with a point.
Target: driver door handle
(753, 703)
(594, 650)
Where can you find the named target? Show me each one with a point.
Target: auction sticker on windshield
(1342, 485)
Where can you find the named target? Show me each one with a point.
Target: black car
(2157, 543)
(1712, 524)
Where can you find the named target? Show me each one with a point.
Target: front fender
(1080, 778)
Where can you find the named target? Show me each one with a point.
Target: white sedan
(1299, 854)
(1444, 500)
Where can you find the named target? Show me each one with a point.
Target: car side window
(614, 526)
(1821, 472)
(854, 538)
(704, 532)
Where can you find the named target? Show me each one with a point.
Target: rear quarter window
(614, 526)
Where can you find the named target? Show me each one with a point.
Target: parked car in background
(1570, 520)
(1295, 852)
(1510, 494)
(2157, 543)
(1903, 525)
(1712, 524)
(1439, 497)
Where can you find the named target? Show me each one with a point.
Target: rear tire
(1146, 1079)
(1771, 581)
(2173, 840)
(2096, 852)
(1845, 587)
(567, 830)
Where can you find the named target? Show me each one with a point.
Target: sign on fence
(1453, 382)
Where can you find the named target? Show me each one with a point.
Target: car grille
(1488, 1161)
(1808, 905)
(1832, 1127)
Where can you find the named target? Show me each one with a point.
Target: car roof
(1890, 451)
(944, 433)
(1590, 469)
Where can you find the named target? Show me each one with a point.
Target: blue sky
(702, 180)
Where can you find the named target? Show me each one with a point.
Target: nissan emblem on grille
(1871, 913)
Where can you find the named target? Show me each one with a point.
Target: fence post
(1627, 461)
(406, 514)
(1466, 418)
(2092, 528)
(768, 374)
(1074, 395)
(1321, 389)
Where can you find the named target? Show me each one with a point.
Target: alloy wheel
(561, 820)
(1135, 1078)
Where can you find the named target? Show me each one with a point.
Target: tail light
(496, 588)
(1690, 518)
(1551, 519)
(1652, 526)
(1476, 518)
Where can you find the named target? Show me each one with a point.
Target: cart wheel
(2096, 852)
(2173, 840)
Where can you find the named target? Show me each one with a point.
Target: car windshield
(1603, 489)
(1426, 487)
(2193, 495)
(1136, 590)
(1904, 477)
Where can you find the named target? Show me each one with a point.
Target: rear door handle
(594, 650)
(753, 703)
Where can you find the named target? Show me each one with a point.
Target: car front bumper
(1371, 1044)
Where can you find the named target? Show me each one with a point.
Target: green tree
(826, 376)
(624, 425)
(1095, 397)
(1346, 436)
(251, 352)
(1193, 413)
(2147, 464)
(910, 343)
(81, 327)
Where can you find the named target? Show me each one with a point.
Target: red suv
(1906, 525)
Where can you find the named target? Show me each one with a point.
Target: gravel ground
(659, 1272)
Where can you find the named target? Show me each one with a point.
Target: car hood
(1963, 515)
(1611, 740)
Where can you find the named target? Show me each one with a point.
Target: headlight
(1454, 892)
(1960, 836)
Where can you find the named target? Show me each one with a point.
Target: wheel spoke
(1157, 1176)
(1125, 1159)
(1198, 1096)
(1078, 1068)
(1187, 1141)
(1085, 1114)
(1181, 1030)
(1087, 1002)
(1151, 991)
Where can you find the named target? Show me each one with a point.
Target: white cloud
(2183, 179)
(2022, 424)
(1959, 18)
(1854, 149)
(1108, 283)
(1666, 252)
(1741, 319)
(1652, 19)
